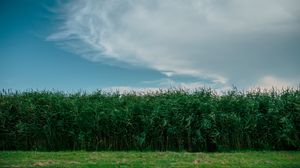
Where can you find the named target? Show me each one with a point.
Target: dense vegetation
(166, 120)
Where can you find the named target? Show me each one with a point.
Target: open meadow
(150, 159)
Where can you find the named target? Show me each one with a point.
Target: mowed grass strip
(150, 159)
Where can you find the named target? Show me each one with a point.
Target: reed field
(172, 120)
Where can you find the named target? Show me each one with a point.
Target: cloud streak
(225, 42)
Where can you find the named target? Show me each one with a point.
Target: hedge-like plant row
(173, 120)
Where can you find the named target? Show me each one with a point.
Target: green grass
(150, 159)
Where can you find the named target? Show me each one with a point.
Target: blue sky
(100, 44)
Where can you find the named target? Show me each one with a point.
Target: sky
(149, 44)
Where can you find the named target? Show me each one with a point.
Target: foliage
(174, 120)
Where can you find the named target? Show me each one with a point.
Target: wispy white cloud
(188, 85)
(129, 89)
(166, 84)
(224, 42)
(269, 82)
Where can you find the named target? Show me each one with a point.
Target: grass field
(150, 159)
